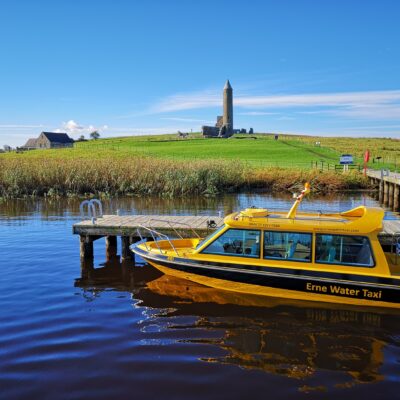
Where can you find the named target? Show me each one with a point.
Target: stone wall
(210, 131)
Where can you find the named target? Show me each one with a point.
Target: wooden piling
(111, 248)
(391, 194)
(381, 190)
(86, 247)
(125, 251)
(385, 193)
(87, 266)
(396, 198)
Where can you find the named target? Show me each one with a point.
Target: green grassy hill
(259, 150)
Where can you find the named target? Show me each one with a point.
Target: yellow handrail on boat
(293, 210)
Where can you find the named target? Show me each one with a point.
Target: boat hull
(294, 286)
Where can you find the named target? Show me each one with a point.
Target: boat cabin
(340, 242)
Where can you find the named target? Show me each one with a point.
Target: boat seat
(292, 249)
(331, 254)
(364, 255)
(255, 249)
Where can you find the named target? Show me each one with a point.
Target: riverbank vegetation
(167, 166)
(37, 176)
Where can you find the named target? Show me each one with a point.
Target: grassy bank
(52, 176)
(388, 149)
(258, 150)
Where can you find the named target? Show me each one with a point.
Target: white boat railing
(184, 225)
(156, 235)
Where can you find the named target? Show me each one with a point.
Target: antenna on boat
(292, 212)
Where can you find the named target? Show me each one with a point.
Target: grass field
(256, 150)
(260, 150)
(386, 148)
(165, 165)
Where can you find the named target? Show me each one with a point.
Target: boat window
(291, 246)
(348, 250)
(212, 234)
(236, 242)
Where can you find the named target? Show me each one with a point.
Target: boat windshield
(212, 234)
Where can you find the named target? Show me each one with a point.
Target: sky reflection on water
(122, 331)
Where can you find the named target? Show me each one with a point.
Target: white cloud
(255, 113)
(363, 105)
(321, 99)
(72, 127)
(188, 101)
(179, 119)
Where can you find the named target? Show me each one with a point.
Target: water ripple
(63, 336)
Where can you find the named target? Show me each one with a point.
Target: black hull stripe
(337, 276)
(349, 290)
(298, 282)
(332, 276)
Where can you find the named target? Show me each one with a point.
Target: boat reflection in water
(297, 340)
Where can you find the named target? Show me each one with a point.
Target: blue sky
(130, 67)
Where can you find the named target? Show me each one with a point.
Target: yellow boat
(326, 257)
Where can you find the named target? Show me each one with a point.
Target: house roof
(58, 137)
(30, 143)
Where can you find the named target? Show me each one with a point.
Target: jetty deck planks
(114, 225)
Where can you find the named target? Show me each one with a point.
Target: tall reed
(152, 176)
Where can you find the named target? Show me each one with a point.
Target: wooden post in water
(396, 198)
(111, 248)
(385, 192)
(125, 252)
(381, 188)
(391, 194)
(86, 247)
(87, 267)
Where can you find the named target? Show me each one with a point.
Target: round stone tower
(228, 108)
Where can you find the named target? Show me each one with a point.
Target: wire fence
(324, 165)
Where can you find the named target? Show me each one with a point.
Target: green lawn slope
(260, 150)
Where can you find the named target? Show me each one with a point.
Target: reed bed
(151, 176)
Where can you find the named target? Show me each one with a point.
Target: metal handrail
(154, 234)
(299, 217)
(167, 222)
(175, 223)
(142, 239)
(91, 209)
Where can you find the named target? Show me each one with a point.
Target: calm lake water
(130, 332)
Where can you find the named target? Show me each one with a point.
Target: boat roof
(359, 220)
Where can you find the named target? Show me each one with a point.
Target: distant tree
(81, 138)
(95, 135)
(251, 131)
(7, 148)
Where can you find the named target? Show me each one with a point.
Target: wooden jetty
(126, 227)
(389, 187)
